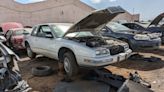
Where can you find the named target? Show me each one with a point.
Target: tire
(41, 71)
(30, 53)
(70, 64)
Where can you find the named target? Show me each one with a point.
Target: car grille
(116, 49)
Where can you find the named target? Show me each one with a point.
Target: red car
(9, 25)
(15, 37)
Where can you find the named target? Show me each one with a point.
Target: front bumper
(104, 61)
(137, 44)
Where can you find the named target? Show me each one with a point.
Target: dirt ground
(152, 72)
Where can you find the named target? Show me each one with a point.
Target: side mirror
(48, 35)
(105, 30)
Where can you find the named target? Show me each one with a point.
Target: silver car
(78, 45)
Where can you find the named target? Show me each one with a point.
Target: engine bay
(95, 41)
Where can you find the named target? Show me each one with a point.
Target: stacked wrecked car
(10, 77)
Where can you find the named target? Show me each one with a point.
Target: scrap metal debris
(120, 84)
(146, 59)
(10, 77)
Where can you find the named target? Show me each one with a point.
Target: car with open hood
(78, 45)
(156, 26)
(136, 26)
(137, 39)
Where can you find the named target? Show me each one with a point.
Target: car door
(33, 40)
(8, 36)
(45, 39)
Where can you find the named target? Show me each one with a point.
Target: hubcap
(66, 65)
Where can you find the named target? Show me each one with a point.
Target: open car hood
(157, 19)
(96, 19)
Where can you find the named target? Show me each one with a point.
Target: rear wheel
(70, 64)
(30, 53)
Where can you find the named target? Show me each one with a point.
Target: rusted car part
(146, 59)
(10, 78)
(133, 84)
(106, 81)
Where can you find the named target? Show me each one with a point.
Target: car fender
(77, 48)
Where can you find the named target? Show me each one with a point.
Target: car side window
(43, 31)
(34, 32)
(1, 30)
(131, 26)
(8, 34)
(138, 27)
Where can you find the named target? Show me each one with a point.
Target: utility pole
(133, 15)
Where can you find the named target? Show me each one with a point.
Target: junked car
(142, 27)
(10, 77)
(137, 40)
(156, 26)
(10, 25)
(15, 37)
(78, 45)
(136, 26)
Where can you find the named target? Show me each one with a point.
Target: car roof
(15, 29)
(9, 25)
(69, 24)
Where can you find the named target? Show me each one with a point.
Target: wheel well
(26, 43)
(64, 50)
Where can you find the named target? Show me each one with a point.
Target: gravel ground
(152, 72)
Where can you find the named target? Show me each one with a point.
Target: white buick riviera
(78, 45)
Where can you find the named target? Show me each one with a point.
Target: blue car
(137, 40)
(156, 26)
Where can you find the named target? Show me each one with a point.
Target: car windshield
(20, 32)
(116, 27)
(60, 30)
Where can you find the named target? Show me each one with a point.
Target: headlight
(126, 47)
(102, 51)
(157, 34)
(141, 37)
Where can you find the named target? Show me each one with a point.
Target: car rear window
(20, 32)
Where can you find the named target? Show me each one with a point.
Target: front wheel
(70, 64)
(30, 54)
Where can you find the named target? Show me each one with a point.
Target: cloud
(35, 0)
(28, 1)
(112, 0)
(99, 1)
(96, 1)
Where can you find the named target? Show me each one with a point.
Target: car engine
(90, 41)
(114, 46)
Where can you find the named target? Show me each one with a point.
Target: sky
(148, 9)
